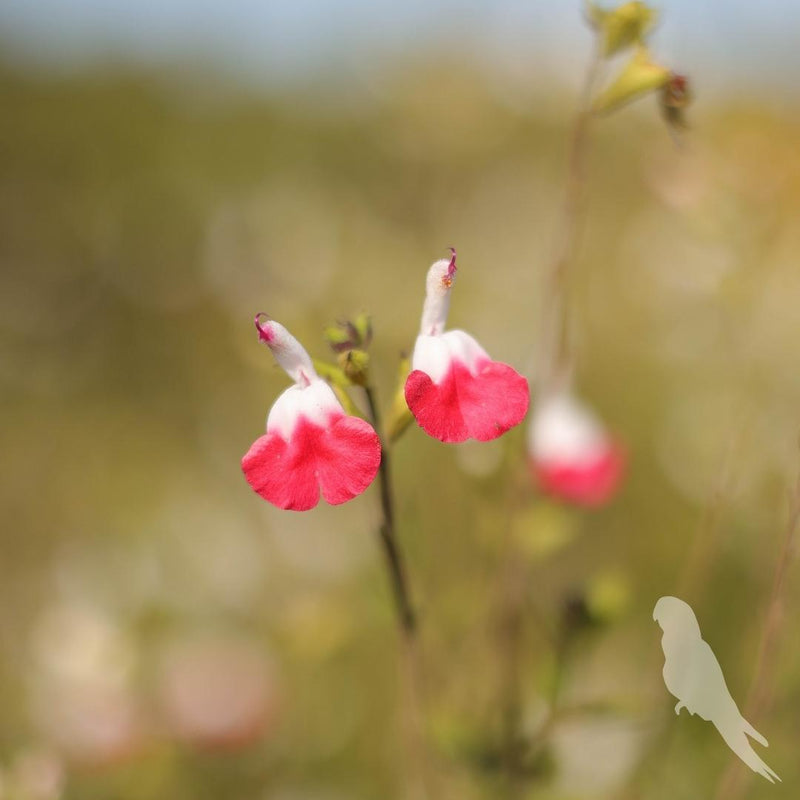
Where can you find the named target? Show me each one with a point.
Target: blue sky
(734, 44)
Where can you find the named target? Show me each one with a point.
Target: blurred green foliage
(145, 219)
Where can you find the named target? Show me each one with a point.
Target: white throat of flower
(437, 296)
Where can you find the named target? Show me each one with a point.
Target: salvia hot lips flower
(455, 391)
(571, 455)
(310, 443)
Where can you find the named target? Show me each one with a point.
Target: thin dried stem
(556, 358)
(732, 782)
(706, 541)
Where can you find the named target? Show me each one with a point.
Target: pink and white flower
(571, 455)
(455, 391)
(310, 443)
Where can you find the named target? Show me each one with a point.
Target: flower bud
(350, 334)
(355, 365)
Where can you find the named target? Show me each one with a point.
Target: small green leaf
(399, 417)
(334, 375)
(621, 27)
(595, 15)
(640, 76)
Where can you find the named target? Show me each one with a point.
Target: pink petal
(341, 459)
(590, 484)
(462, 405)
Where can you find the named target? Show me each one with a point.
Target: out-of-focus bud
(571, 455)
(82, 695)
(400, 416)
(353, 334)
(362, 325)
(217, 692)
(339, 338)
(355, 365)
(621, 27)
(35, 775)
(674, 98)
(544, 529)
(608, 596)
(640, 76)
(602, 601)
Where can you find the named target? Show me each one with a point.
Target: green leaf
(595, 15)
(333, 374)
(640, 76)
(399, 417)
(621, 27)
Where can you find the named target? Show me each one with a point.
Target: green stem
(391, 551)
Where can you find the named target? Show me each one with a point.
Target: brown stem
(556, 355)
(510, 629)
(420, 775)
(391, 551)
(731, 783)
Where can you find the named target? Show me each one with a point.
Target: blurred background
(169, 169)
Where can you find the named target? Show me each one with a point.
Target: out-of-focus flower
(81, 694)
(36, 774)
(455, 391)
(572, 456)
(310, 443)
(217, 692)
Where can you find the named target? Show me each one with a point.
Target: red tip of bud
(264, 333)
(451, 269)
(676, 91)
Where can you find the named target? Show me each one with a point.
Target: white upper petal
(316, 402)
(565, 430)
(437, 298)
(433, 355)
(290, 354)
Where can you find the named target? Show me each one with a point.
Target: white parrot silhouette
(693, 675)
